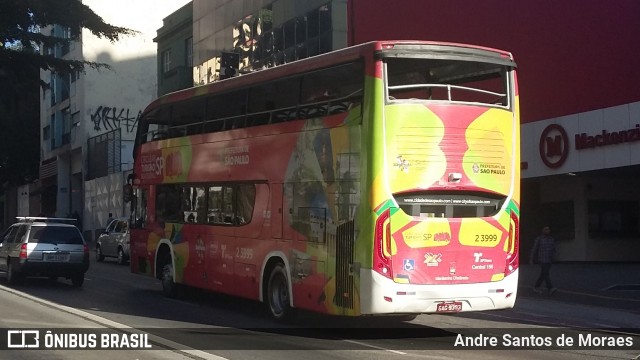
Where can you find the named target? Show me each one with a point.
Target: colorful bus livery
(377, 179)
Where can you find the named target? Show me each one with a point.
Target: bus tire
(278, 295)
(169, 286)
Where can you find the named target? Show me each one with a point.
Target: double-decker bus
(377, 179)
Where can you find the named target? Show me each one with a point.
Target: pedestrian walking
(542, 253)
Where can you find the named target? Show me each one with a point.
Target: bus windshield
(411, 79)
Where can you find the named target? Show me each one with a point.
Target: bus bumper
(388, 297)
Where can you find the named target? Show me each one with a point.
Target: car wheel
(77, 280)
(169, 286)
(278, 295)
(99, 254)
(13, 277)
(121, 258)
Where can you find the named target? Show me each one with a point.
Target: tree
(21, 59)
(21, 21)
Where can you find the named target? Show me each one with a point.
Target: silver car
(114, 242)
(50, 247)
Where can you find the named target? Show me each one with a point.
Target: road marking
(166, 343)
(546, 320)
(599, 296)
(374, 347)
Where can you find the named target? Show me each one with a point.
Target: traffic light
(229, 63)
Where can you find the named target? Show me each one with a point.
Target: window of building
(261, 45)
(75, 119)
(53, 131)
(613, 218)
(46, 133)
(65, 34)
(65, 86)
(66, 126)
(166, 61)
(560, 217)
(188, 49)
(53, 81)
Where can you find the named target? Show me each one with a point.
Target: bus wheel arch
(277, 290)
(165, 270)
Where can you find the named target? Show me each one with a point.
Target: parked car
(50, 247)
(114, 242)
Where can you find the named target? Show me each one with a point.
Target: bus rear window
(420, 79)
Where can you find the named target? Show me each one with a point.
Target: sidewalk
(607, 294)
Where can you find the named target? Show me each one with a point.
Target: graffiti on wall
(107, 118)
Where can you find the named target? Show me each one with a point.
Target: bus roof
(315, 62)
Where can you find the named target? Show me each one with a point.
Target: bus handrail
(447, 86)
(274, 115)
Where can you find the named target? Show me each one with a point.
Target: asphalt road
(205, 325)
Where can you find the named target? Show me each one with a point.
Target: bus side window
(215, 205)
(246, 199)
(333, 90)
(168, 203)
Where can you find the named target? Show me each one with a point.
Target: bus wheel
(278, 294)
(169, 287)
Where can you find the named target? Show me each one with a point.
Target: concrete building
(89, 119)
(175, 51)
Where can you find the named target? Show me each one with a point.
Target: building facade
(175, 51)
(89, 119)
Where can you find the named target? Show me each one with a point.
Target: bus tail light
(513, 245)
(382, 246)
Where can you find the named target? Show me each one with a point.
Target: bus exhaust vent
(344, 261)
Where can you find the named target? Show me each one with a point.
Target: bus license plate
(56, 257)
(453, 306)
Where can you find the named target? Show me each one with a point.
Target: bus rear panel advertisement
(378, 179)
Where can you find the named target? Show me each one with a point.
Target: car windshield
(55, 235)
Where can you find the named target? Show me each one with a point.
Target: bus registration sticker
(448, 307)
